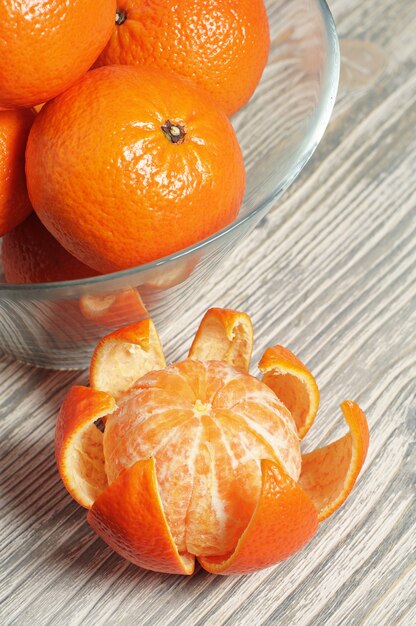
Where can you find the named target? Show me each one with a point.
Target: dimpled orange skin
(222, 45)
(112, 187)
(45, 46)
(14, 200)
(31, 255)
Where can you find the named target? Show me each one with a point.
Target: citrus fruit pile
(114, 127)
(198, 459)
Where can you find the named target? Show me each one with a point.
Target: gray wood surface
(331, 273)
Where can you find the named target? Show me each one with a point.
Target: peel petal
(113, 309)
(224, 335)
(124, 356)
(79, 443)
(293, 384)
(329, 473)
(165, 277)
(285, 520)
(129, 516)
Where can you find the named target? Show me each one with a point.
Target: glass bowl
(57, 324)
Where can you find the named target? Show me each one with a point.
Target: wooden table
(332, 274)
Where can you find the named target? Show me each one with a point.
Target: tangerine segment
(329, 473)
(129, 516)
(256, 408)
(113, 309)
(207, 447)
(124, 356)
(293, 384)
(79, 443)
(224, 335)
(284, 520)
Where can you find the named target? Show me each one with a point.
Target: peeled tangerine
(200, 459)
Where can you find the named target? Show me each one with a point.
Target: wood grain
(331, 273)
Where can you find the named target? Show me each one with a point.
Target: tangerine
(45, 46)
(207, 426)
(14, 201)
(132, 164)
(222, 45)
(199, 459)
(31, 255)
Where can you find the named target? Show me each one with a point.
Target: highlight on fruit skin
(199, 459)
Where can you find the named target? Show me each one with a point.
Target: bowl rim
(318, 123)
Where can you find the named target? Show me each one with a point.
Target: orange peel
(293, 384)
(129, 516)
(112, 309)
(124, 356)
(240, 436)
(284, 521)
(78, 443)
(224, 335)
(164, 278)
(329, 474)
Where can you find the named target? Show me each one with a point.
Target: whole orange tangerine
(45, 46)
(132, 164)
(14, 200)
(220, 44)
